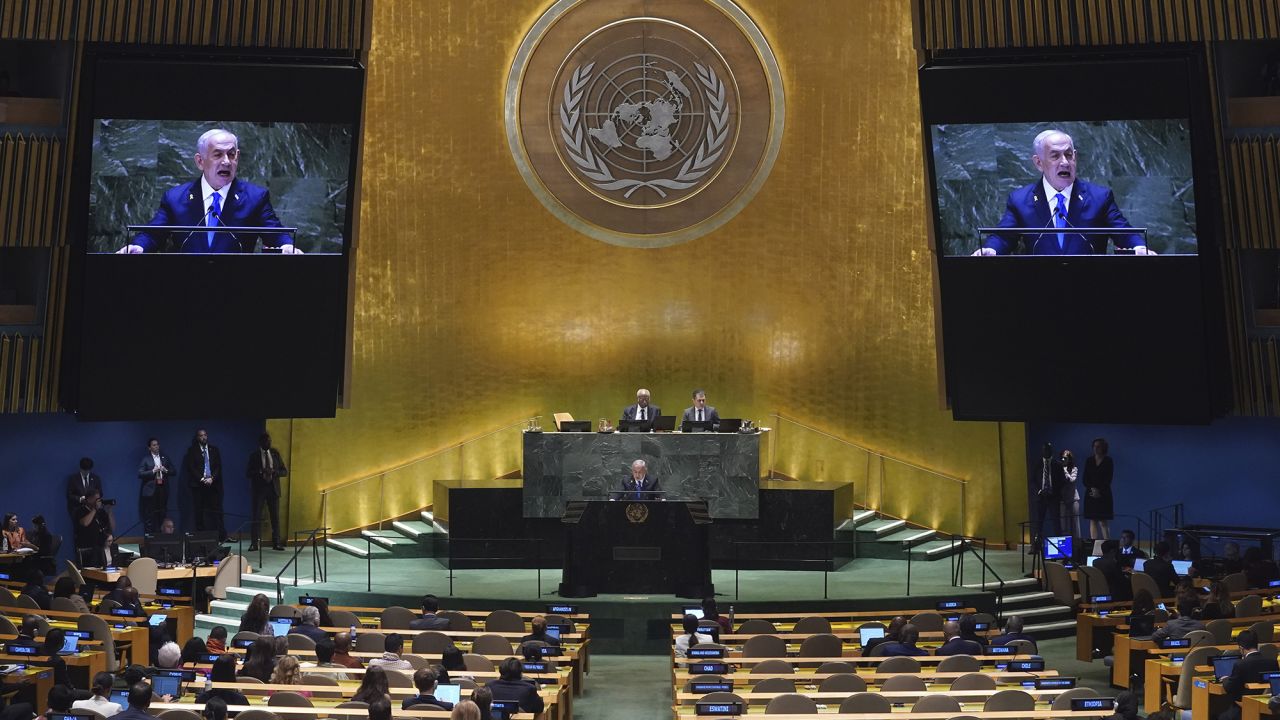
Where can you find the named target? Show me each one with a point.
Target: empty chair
(903, 683)
(756, 626)
(244, 635)
(791, 704)
(279, 611)
(503, 621)
(298, 641)
(1264, 630)
(7, 598)
(344, 618)
(228, 575)
(371, 642)
(7, 627)
(466, 683)
(257, 714)
(1063, 701)
(1142, 581)
(960, 663)
(320, 679)
(843, 682)
(1098, 584)
(974, 681)
(1199, 637)
(1249, 606)
(477, 663)
(812, 625)
(766, 646)
(417, 661)
(353, 704)
(553, 619)
(1236, 582)
(491, 645)
(62, 604)
(101, 631)
(396, 618)
(688, 687)
(1220, 629)
(431, 642)
(104, 607)
(831, 667)
(26, 601)
(775, 685)
(425, 706)
(723, 697)
(166, 715)
(866, 703)
(457, 621)
(773, 667)
(288, 698)
(73, 572)
(399, 679)
(824, 645)
(142, 573)
(983, 617)
(1059, 583)
(1023, 647)
(928, 621)
(1010, 701)
(936, 703)
(899, 664)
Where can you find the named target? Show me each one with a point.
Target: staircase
(407, 538)
(1044, 616)
(227, 612)
(879, 536)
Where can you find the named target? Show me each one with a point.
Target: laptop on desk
(729, 425)
(575, 426)
(664, 423)
(693, 426)
(1223, 665)
(635, 425)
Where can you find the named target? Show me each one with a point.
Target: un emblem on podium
(637, 513)
(644, 130)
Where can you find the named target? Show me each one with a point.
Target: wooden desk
(981, 715)
(183, 615)
(1156, 670)
(554, 697)
(964, 697)
(1255, 707)
(1093, 631)
(104, 575)
(40, 677)
(305, 713)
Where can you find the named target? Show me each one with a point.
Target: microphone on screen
(204, 219)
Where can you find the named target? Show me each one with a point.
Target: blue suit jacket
(1092, 206)
(247, 205)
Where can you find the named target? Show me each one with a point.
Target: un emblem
(637, 513)
(644, 130)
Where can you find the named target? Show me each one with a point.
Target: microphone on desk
(204, 219)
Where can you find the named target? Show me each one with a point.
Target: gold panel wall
(474, 307)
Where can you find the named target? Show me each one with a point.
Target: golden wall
(475, 307)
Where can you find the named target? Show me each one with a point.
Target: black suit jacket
(1248, 670)
(709, 414)
(147, 474)
(193, 465)
(75, 489)
(959, 646)
(1057, 480)
(631, 412)
(430, 622)
(271, 485)
(1162, 572)
(521, 691)
(649, 483)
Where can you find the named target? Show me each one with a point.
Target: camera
(109, 503)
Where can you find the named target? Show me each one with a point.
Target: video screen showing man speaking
(1042, 180)
(230, 187)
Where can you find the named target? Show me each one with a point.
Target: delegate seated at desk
(1249, 669)
(701, 412)
(640, 481)
(643, 410)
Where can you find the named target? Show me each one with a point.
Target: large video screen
(267, 176)
(213, 207)
(1133, 177)
(1074, 220)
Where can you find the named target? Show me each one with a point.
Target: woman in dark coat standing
(1098, 506)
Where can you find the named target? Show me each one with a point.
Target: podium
(636, 546)
(181, 234)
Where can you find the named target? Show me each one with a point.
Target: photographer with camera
(94, 527)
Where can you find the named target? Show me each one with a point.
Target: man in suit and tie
(1048, 484)
(1058, 201)
(203, 467)
(640, 479)
(264, 472)
(79, 485)
(1247, 670)
(156, 472)
(643, 409)
(701, 412)
(430, 619)
(217, 197)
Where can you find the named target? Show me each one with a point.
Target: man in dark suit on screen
(643, 409)
(701, 412)
(264, 472)
(215, 198)
(640, 479)
(1058, 201)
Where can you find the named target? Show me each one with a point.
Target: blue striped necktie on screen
(215, 209)
(1060, 218)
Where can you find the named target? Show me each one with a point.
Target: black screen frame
(996, 349)
(208, 336)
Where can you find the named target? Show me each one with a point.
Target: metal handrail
(311, 539)
(865, 449)
(430, 456)
(957, 579)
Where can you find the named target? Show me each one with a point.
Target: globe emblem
(646, 127)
